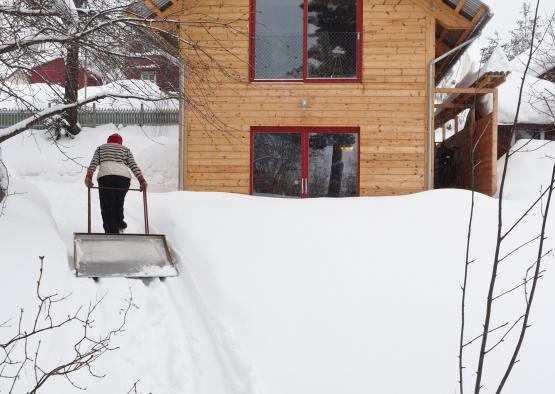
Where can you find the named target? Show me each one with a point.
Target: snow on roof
(533, 108)
(40, 95)
(36, 95)
(537, 67)
(137, 88)
(498, 62)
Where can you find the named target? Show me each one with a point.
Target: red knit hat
(115, 139)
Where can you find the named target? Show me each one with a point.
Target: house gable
(456, 22)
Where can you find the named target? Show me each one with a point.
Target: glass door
(332, 164)
(305, 162)
(277, 164)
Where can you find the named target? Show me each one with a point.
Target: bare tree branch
(22, 351)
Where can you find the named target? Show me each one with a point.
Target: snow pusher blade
(122, 255)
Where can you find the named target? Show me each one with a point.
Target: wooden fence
(91, 117)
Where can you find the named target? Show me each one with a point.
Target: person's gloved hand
(142, 182)
(88, 179)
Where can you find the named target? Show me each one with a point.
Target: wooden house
(311, 98)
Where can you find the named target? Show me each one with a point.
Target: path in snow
(172, 343)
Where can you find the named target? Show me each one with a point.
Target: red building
(154, 68)
(54, 72)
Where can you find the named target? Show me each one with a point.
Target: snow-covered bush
(57, 127)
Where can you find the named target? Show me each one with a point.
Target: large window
(306, 40)
(305, 162)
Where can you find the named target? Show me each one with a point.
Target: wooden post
(141, 115)
(94, 120)
(494, 137)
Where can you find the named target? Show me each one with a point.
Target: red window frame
(306, 79)
(304, 131)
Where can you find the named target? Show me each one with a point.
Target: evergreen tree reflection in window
(332, 39)
(333, 165)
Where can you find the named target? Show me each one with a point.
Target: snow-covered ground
(279, 296)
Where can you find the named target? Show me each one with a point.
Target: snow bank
(284, 296)
(33, 155)
(529, 170)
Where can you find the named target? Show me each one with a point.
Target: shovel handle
(114, 188)
(145, 205)
(89, 210)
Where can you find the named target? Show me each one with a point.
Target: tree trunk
(72, 72)
(72, 86)
(334, 188)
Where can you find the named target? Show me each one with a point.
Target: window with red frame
(305, 161)
(306, 40)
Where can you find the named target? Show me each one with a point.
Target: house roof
(468, 8)
(476, 12)
(159, 9)
(153, 8)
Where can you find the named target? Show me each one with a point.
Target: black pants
(111, 201)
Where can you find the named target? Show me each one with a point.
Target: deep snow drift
(281, 296)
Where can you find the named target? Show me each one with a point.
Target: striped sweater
(113, 159)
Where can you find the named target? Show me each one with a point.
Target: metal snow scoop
(98, 255)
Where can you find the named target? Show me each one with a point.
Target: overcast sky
(506, 12)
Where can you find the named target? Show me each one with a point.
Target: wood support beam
(441, 48)
(445, 14)
(459, 6)
(443, 33)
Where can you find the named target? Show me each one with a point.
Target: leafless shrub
(21, 352)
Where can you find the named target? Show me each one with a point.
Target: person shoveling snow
(114, 161)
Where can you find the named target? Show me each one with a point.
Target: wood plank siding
(389, 106)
